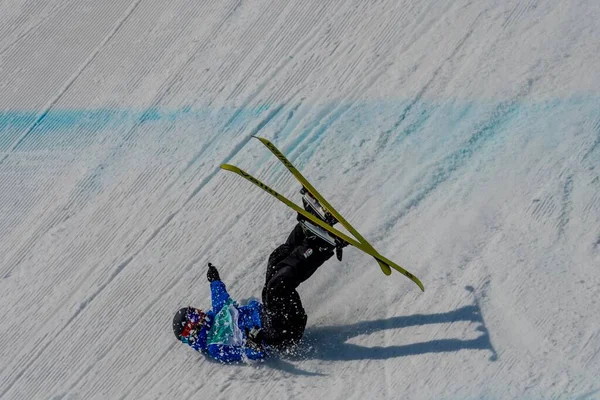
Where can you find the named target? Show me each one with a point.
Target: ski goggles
(196, 320)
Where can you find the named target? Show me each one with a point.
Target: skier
(279, 322)
(222, 332)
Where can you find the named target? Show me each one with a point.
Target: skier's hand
(254, 339)
(212, 274)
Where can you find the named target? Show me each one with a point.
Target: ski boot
(313, 206)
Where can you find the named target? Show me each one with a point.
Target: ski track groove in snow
(485, 132)
(31, 29)
(345, 104)
(255, 31)
(170, 84)
(519, 10)
(596, 143)
(384, 138)
(70, 82)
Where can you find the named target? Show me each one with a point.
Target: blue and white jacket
(223, 336)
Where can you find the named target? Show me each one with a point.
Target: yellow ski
(359, 245)
(384, 267)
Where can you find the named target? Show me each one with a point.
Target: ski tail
(359, 245)
(305, 183)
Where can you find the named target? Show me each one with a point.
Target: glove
(254, 339)
(212, 274)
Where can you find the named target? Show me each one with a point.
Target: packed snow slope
(461, 138)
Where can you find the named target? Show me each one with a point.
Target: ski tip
(262, 139)
(384, 268)
(420, 285)
(415, 280)
(228, 167)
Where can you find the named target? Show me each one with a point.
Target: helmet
(188, 322)
(179, 321)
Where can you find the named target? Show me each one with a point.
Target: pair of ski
(360, 242)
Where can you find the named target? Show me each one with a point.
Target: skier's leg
(284, 323)
(289, 265)
(295, 319)
(295, 238)
(284, 318)
(280, 253)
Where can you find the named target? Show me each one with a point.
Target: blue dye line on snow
(399, 119)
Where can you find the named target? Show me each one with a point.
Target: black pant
(290, 264)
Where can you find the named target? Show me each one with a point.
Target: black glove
(254, 339)
(212, 274)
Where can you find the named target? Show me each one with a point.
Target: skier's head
(187, 324)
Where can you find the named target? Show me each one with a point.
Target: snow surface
(461, 138)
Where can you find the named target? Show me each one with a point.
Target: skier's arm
(218, 292)
(218, 295)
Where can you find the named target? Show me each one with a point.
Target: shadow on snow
(329, 343)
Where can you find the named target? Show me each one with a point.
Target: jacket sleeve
(225, 354)
(234, 354)
(218, 295)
